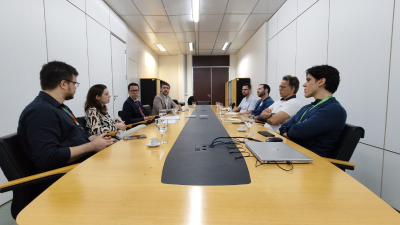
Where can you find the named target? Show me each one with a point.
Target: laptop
(276, 152)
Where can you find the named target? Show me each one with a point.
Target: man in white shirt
(283, 109)
(248, 103)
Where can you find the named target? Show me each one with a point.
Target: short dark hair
(164, 83)
(331, 75)
(54, 72)
(247, 84)
(132, 84)
(266, 86)
(91, 101)
(293, 82)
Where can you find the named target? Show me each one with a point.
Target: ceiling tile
(178, 7)
(255, 21)
(148, 37)
(184, 46)
(240, 6)
(205, 52)
(218, 52)
(172, 47)
(167, 38)
(186, 37)
(233, 22)
(213, 6)
(236, 45)
(174, 52)
(159, 23)
(123, 7)
(153, 46)
(243, 36)
(150, 7)
(161, 53)
(206, 46)
(226, 36)
(231, 51)
(182, 23)
(207, 36)
(137, 23)
(189, 52)
(219, 45)
(210, 22)
(268, 6)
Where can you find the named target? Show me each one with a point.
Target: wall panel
(99, 11)
(272, 60)
(287, 13)
(391, 179)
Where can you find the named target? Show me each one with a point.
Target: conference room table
(122, 185)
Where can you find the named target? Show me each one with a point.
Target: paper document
(171, 121)
(172, 117)
(226, 120)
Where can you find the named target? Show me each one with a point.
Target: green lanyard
(322, 101)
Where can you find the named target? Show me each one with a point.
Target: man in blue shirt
(263, 91)
(318, 126)
(49, 132)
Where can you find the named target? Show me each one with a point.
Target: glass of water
(163, 113)
(217, 104)
(194, 104)
(248, 120)
(229, 110)
(162, 126)
(175, 110)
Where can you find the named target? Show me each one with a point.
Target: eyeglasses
(133, 91)
(75, 83)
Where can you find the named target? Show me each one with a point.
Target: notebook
(276, 152)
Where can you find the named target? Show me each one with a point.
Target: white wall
(168, 71)
(251, 59)
(34, 32)
(343, 34)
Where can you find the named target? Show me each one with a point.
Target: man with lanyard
(318, 126)
(248, 103)
(286, 107)
(132, 110)
(263, 91)
(49, 132)
(163, 101)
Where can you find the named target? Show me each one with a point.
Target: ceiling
(170, 23)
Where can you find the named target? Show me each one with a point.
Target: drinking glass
(217, 104)
(175, 110)
(162, 126)
(194, 105)
(229, 110)
(163, 113)
(248, 120)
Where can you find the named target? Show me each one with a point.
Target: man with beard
(163, 100)
(49, 132)
(283, 109)
(263, 91)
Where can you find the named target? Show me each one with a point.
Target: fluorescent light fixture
(226, 46)
(192, 46)
(161, 47)
(196, 10)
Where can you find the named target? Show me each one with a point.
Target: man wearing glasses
(133, 110)
(49, 132)
(248, 103)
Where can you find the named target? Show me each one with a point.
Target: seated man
(49, 132)
(318, 126)
(263, 91)
(286, 107)
(133, 111)
(163, 101)
(248, 103)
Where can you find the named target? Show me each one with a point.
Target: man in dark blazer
(133, 110)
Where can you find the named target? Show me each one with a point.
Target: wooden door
(202, 84)
(219, 77)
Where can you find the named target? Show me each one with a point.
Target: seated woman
(98, 121)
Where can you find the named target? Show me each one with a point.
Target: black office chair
(120, 114)
(190, 100)
(15, 165)
(148, 109)
(233, 105)
(346, 145)
(203, 102)
(176, 101)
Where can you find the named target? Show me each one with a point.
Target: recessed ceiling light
(226, 45)
(161, 47)
(192, 46)
(196, 10)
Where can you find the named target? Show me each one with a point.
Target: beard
(261, 94)
(69, 95)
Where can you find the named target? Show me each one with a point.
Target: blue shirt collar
(49, 99)
(293, 96)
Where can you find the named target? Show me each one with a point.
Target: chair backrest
(176, 101)
(203, 103)
(347, 142)
(120, 114)
(190, 100)
(148, 109)
(233, 105)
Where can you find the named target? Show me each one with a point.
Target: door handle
(209, 95)
(115, 97)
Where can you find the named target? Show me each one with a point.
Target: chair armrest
(341, 164)
(14, 183)
(138, 123)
